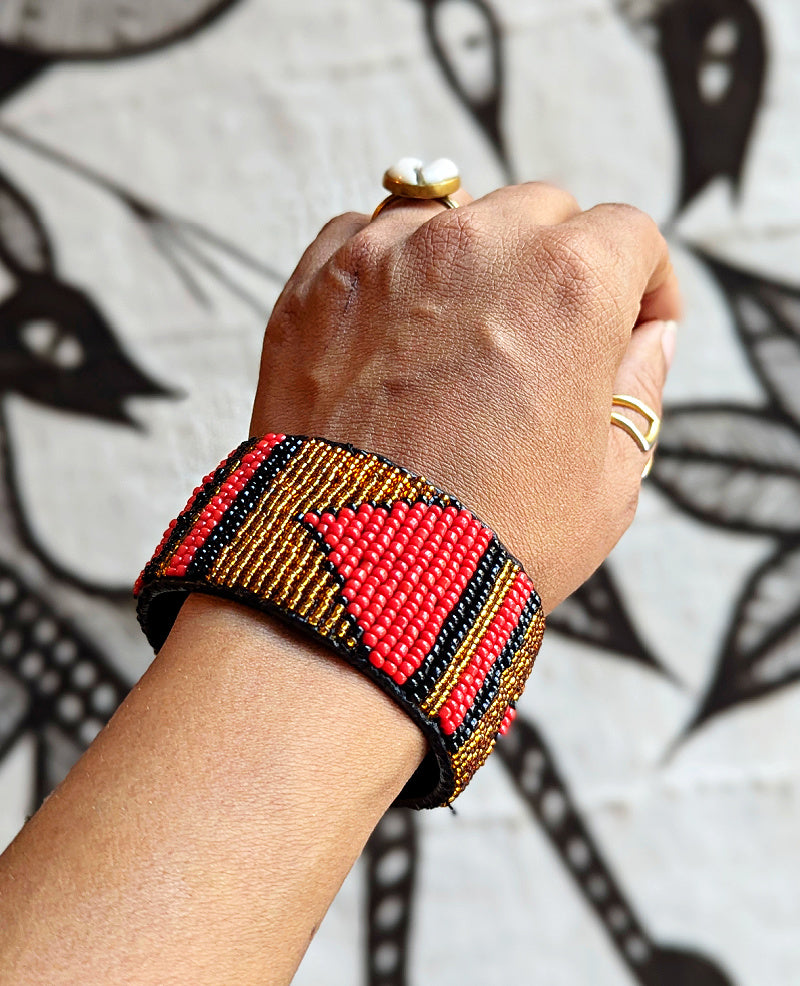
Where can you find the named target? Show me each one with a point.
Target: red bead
(371, 638)
(375, 659)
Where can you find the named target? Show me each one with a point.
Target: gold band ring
(411, 178)
(645, 440)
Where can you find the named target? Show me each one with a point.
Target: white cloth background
(262, 126)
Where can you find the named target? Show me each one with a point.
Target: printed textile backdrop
(162, 166)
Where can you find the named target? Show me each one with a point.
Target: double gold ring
(645, 440)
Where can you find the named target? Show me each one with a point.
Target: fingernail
(668, 337)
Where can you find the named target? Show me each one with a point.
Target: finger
(539, 202)
(330, 238)
(641, 375)
(401, 214)
(637, 262)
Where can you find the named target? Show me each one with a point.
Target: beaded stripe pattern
(397, 576)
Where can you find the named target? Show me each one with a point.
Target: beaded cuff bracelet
(396, 576)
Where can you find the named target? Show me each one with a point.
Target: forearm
(205, 832)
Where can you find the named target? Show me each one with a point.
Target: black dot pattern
(391, 858)
(71, 688)
(534, 772)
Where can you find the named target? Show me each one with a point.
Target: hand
(480, 347)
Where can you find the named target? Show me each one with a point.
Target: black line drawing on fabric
(595, 614)
(713, 54)
(390, 891)
(534, 772)
(56, 685)
(57, 348)
(56, 30)
(391, 857)
(738, 467)
(187, 246)
(465, 41)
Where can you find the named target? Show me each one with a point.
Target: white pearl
(406, 170)
(442, 169)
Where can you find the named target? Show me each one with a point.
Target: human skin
(203, 835)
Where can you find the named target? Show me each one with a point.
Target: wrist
(307, 691)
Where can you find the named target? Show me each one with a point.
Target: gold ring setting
(645, 440)
(412, 178)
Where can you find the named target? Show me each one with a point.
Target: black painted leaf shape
(465, 38)
(714, 57)
(731, 467)
(86, 29)
(767, 317)
(24, 244)
(761, 652)
(596, 615)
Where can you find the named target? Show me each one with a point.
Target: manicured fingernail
(668, 337)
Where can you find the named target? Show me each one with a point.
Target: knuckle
(354, 264)
(552, 193)
(361, 252)
(346, 221)
(629, 215)
(571, 274)
(458, 233)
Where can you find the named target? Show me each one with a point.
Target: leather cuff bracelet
(397, 577)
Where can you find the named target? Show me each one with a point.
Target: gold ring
(645, 440)
(411, 178)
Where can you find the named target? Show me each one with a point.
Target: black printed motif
(391, 858)
(533, 770)
(731, 466)
(58, 349)
(595, 614)
(738, 467)
(56, 685)
(464, 38)
(85, 29)
(714, 59)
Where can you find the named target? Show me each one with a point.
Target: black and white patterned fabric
(162, 166)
